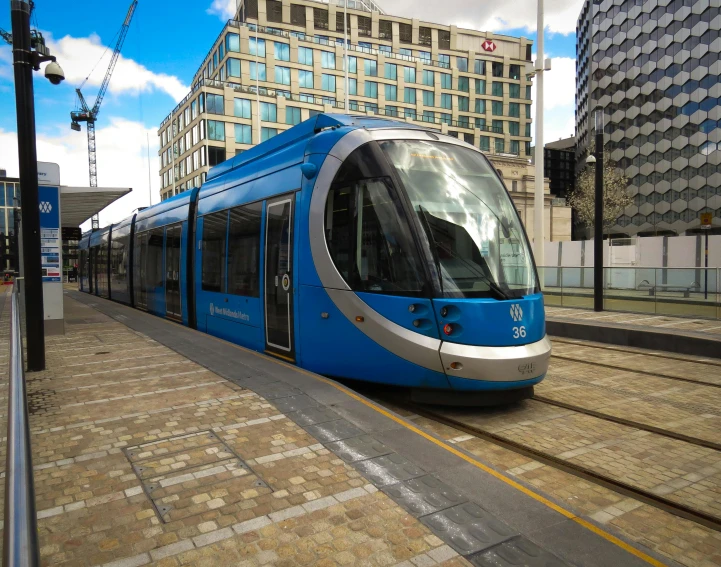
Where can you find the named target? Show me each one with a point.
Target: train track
(666, 504)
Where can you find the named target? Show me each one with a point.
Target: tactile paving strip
(518, 552)
(388, 469)
(295, 403)
(329, 431)
(468, 528)
(311, 416)
(359, 448)
(424, 495)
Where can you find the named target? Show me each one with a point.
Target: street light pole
(24, 64)
(598, 218)
(538, 204)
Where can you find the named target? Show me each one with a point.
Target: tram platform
(682, 335)
(156, 444)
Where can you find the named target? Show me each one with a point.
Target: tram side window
(117, 260)
(244, 250)
(368, 235)
(154, 266)
(215, 230)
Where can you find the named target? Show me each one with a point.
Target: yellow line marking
(503, 478)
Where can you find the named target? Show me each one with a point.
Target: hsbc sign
(489, 45)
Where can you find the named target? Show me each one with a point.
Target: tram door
(172, 271)
(141, 260)
(278, 277)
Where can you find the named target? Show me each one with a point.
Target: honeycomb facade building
(654, 69)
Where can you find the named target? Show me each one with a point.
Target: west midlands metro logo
(45, 207)
(516, 312)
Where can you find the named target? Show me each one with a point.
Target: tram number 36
(519, 332)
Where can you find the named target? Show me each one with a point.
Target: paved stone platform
(156, 444)
(700, 337)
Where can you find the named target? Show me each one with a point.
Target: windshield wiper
(498, 290)
(434, 246)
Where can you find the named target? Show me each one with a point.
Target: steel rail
(20, 548)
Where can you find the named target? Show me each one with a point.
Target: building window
(497, 126)
(352, 64)
(233, 67)
(514, 128)
(406, 52)
(364, 26)
(409, 113)
(256, 47)
(328, 82)
(429, 78)
(497, 69)
(274, 11)
(282, 75)
(500, 145)
(268, 112)
(429, 116)
(463, 103)
(528, 130)
(390, 71)
(215, 156)
(446, 101)
(320, 19)
(282, 51)
(215, 230)
(444, 61)
(528, 92)
(305, 56)
(463, 84)
(446, 81)
(528, 111)
(428, 98)
(444, 39)
(391, 111)
(327, 60)
(371, 89)
(215, 104)
(352, 86)
(370, 68)
(260, 71)
(514, 91)
(496, 88)
(514, 72)
(514, 110)
(481, 86)
(409, 74)
(385, 29)
(481, 123)
(267, 133)
(445, 118)
(497, 108)
(462, 64)
(232, 42)
(409, 95)
(193, 114)
(243, 134)
(297, 15)
(480, 106)
(391, 92)
(216, 130)
(305, 79)
(479, 67)
(405, 33)
(292, 115)
(424, 36)
(515, 149)
(202, 129)
(339, 27)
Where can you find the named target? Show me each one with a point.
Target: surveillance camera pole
(24, 61)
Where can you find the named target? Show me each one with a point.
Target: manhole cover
(179, 474)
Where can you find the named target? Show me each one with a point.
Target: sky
(161, 53)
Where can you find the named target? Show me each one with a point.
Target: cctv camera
(54, 73)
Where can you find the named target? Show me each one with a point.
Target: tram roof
(304, 131)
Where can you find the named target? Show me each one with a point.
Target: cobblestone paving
(681, 540)
(143, 457)
(658, 322)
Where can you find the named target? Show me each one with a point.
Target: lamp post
(598, 214)
(25, 60)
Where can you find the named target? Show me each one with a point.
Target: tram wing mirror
(309, 170)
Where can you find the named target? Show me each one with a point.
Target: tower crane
(90, 115)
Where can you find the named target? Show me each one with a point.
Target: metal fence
(681, 292)
(20, 548)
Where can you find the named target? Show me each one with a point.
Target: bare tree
(615, 194)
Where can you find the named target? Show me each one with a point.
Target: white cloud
(6, 62)
(122, 161)
(78, 55)
(487, 15)
(559, 102)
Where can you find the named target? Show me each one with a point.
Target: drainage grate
(191, 474)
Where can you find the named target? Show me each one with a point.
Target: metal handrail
(20, 548)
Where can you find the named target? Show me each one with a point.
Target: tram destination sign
(71, 233)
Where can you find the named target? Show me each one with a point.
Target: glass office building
(280, 62)
(653, 68)
(9, 189)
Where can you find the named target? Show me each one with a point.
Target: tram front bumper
(497, 363)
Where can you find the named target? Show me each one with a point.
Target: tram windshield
(473, 231)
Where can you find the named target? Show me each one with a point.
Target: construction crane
(90, 115)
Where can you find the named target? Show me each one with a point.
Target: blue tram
(356, 247)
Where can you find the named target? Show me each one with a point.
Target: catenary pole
(28, 162)
(538, 204)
